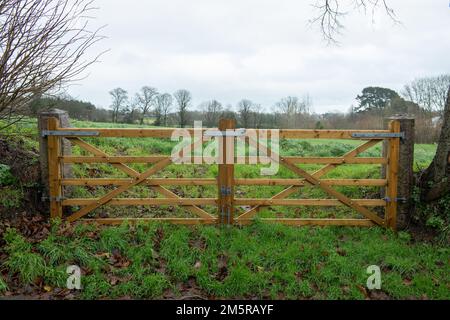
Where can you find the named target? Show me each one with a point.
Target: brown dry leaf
(341, 252)
(363, 290)
(197, 265)
(379, 295)
(48, 288)
(114, 280)
(123, 264)
(103, 254)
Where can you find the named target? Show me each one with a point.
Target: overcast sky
(262, 50)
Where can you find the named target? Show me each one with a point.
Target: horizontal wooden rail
(316, 222)
(307, 202)
(336, 160)
(167, 133)
(213, 201)
(143, 201)
(301, 182)
(153, 182)
(238, 160)
(116, 221)
(212, 181)
(197, 221)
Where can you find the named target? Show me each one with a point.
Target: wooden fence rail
(225, 201)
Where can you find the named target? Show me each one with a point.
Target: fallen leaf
(363, 291)
(103, 254)
(407, 282)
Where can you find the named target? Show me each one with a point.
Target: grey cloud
(262, 50)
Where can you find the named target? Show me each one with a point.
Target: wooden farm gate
(225, 201)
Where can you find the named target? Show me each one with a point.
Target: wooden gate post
(405, 174)
(392, 176)
(54, 170)
(66, 148)
(225, 180)
(50, 148)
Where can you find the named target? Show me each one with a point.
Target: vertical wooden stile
(225, 180)
(54, 170)
(392, 177)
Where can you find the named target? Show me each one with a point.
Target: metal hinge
(227, 133)
(57, 199)
(46, 133)
(225, 191)
(379, 135)
(225, 217)
(402, 200)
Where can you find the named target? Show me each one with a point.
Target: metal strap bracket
(57, 199)
(46, 133)
(379, 135)
(402, 200)
(225, 191)
(227, 133)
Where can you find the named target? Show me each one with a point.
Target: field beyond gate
(230, 209)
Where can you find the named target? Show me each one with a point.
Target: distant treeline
(423, 99)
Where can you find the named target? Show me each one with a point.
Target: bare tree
(183, 98)
(292, 110)
(212, 111)
(119, 102)
(163, 105)
(245, 109)
(430, 92)
(145, 99)
(331, 12)
(257, 116)
(43, 46)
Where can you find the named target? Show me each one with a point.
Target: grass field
(263, 261)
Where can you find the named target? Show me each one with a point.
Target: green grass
(261, 260)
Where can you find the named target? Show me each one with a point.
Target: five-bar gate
(225, 201)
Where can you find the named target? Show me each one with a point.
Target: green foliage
(375, 99)
(114, 238)
(436, 222)
(15, 242)
(261, 260)
(56, 276)
(11, 197)
(29, 265)
(3, 285)
(435, 215)
(54, 251)
(95, 286)
(6, 177)
(176, 251)
(153, 285)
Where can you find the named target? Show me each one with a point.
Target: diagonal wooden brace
(316, 175)
(329, 190)
(106, 198)
(133, 173)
